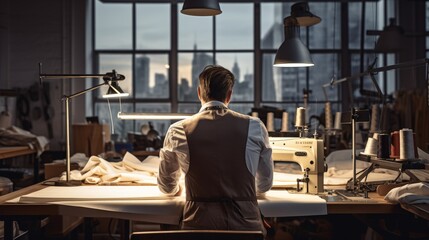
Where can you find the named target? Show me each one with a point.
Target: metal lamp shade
(301, 12)
(390, 39)
(292, 52)
(201, 7)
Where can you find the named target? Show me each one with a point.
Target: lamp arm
(379, 92)
(68, 76)
(334, 82)
(114, 89)
(85, 91)
(414, 63)
(57, 76)
(110, 76)
(372, 71)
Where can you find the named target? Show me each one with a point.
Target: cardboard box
(60, 226)
(90, 138)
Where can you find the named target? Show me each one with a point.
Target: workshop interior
(89, 89)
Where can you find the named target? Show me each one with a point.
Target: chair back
(198, 235)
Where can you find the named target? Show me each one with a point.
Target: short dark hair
(215, 82)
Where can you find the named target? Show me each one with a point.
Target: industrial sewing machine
(308, 153)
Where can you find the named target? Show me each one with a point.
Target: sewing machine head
(308, 153)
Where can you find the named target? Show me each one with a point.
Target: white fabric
(411, 194)
(340, 169)
(147, 203)
(175, 155)
(282, 204)
(15, 136)
(93, 193)
(333, 177)
(342, 159)
(99, 171)
(130, 169)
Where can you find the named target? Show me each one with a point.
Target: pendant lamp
(390, 39)
(201, 8)
(292, 52)
(301, 12)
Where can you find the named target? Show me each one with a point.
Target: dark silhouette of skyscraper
(199, 61)
(236, 70)
(161, 88)
(142, 76)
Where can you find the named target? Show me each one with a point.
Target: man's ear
(198, 92)
(199, 95)
(228, 97)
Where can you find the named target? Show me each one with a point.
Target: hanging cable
(120, 105)
(111, 118)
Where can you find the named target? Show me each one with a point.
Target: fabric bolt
(413, 193)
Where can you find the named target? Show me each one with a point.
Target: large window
(162, 52)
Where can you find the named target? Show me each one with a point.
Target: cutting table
(39, 201)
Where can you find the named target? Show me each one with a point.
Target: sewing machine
(308, 153)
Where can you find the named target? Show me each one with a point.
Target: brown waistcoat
(220, 190)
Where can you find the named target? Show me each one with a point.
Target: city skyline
(197, 47)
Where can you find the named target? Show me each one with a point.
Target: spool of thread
(270, 122)
(300, 117)
(383, 150)
(371, 147)
(406, 144)
(337, 122)
(394, 144)
(285, 121)
(375, 135)
(255, 114)
(375, 111)
(365, 126)
(328, 115)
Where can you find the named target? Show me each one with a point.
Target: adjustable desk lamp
(111, 79)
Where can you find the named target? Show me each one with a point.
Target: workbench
(159, 211)
(22, 151)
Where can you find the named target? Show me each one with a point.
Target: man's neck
(204, 102)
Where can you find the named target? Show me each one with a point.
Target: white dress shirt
(175, 155)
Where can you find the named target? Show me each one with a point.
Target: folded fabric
(413, 193)
(15, 136)
(130, 169)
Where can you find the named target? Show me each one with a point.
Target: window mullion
(173, 58)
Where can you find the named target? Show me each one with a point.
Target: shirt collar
(212, 104)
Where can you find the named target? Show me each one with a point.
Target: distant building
(199, 61)
(184, 88)
(161, 88)
(142, 77)
(236, 70)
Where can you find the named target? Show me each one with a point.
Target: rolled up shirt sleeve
(258, 155)
(174, 159)
(264, 173)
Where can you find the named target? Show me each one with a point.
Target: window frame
(342, 52)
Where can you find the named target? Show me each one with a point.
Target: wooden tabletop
(9, 152)
(375, 204)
